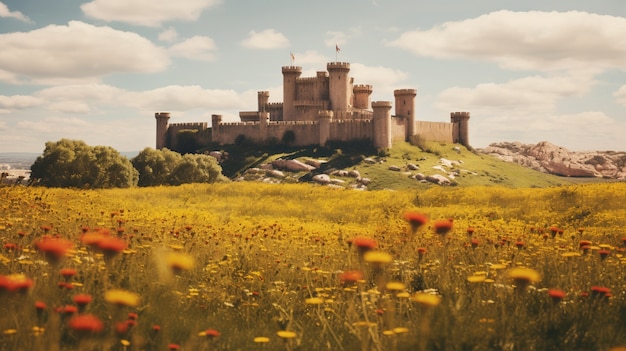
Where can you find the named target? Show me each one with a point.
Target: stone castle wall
(436, 131)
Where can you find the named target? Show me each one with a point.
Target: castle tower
(325, 117)
(362, 94)
(162, 120)
(263, 98)
(461, 127)
(405, 108)
(339, 87)
(382, 124)
(264, 117)
(290, 75)
(216, 136)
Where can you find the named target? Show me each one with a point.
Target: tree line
(74, 164)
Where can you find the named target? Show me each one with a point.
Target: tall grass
(247, 261)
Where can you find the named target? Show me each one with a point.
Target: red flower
(474, 243)
(415, 220)
(68, 273)
(604, 254)
(54, 249)
(67, 309)
(111, 246)
(211, 333)
(173, 347)
(86, 324)
(40, 306)
(556, 294)
(82, 299)
(520, 244)
(350, 277)
(443, 226)
(421, 250)
(364, 244)
(15, 283)
(584, 243)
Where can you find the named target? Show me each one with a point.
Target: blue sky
(97, 70)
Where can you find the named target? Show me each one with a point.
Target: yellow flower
(395, 286)
(377, 257)
(179, 262)
(261, 339)
(314, 301)
(286, 334)
(121, 298)
(476, 278)
(519, 274)
(400, 330)
(427, 300)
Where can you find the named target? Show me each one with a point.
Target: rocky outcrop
(549, 158)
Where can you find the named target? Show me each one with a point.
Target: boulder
(292, 165)
(412, 167)
(354, 173)
(395, 168)
(438, 179)
(321, 178)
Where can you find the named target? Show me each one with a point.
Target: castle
(315, 110)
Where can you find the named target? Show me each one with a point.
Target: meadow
(250, 266)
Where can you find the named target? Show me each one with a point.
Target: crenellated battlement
(365, 88)
(400, 92)
(263, 93)
(459, 115)
(292, 69)
(162, 115)
(189, 125)
(338, 66)
(308, 80)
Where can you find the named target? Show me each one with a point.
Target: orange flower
(15, 283)
(443, 226)
(68, 273)
(111, 246)
(556, 295)
(415, 219)
(350, 277)
(364, 244)
(86, 324)
(54, 249)
(82, 300)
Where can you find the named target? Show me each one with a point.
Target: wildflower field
(248, 266)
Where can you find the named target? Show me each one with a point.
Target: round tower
(263, 98)
(461, 127)
(325, 117)
(290, 75)
(162, 121)
(382, 124)
(362, 94)
(405, 108)
(339, 86)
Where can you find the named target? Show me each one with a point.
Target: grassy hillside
(473, 169)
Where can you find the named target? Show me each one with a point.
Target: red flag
(337, 48)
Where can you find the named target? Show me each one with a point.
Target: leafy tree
(155, 166)
(72, 163)
(166, 167)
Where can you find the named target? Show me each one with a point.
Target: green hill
(463, 167)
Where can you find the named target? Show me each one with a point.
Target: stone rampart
(435, 131)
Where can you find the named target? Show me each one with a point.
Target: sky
(98, 70)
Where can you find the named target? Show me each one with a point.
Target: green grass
(474, 169)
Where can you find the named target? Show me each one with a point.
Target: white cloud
(151, 13)
(265, 40)
(182, 98)
(195, 48)
(534, 40)
(529, 94)
(168, 35)
(5, 12)
(18, 102)
(78, 51)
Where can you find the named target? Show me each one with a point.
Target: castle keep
(327, 107)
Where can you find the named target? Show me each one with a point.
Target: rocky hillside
(549, 158)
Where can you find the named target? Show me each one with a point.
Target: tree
(155, 166)
(166, 167)
(74, 164)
